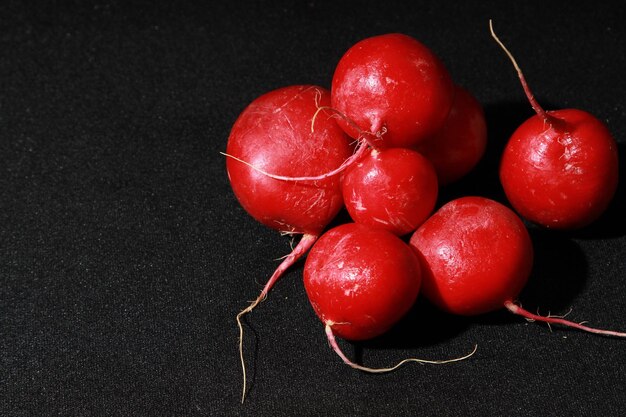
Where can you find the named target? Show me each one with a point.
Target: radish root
(362, 134)
(363, 145)
(303, 246)
(358, 153)
(516, 309)
(549, 120)
(335, 346)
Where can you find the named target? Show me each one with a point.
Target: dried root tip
(516, 309)
(303, 247)
(333, 343)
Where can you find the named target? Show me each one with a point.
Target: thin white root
(241, 358)
(333, 343)
(358, 153)
(305, 244)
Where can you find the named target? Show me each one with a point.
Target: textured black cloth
(124, 256)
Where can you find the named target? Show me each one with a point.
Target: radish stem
(529, 94)
(515, 309)
(303, 246)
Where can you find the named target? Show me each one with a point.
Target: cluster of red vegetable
(392, 129)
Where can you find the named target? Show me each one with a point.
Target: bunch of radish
(392, 129)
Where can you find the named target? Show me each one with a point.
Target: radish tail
(333, 344)
(515, 309)
(358, 153)
(529, 94)
(303, 246)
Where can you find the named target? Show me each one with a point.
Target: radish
(360, 281)
(460, 144)
(393, 87)
(476, 256)
(391, 188)
(272, 137)
(559, 168)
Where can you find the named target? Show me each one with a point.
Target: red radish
(476, 254)
(460, 143)
(560, 168)
(476, 257)
(391, 188)
(360, 281)
(392, 84)
(273, 134)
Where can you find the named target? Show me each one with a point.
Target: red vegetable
(458, 146)
(392, 188)
(273, 137)
(361, 280)
(274, 134)
(560, 168)
(476, 256)
(393, 87)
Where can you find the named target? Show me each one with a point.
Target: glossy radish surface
(361, 280)
(460, 144)
(274, 135)
(559, 168)
(476, 255)
(395, 85)
(391, 188)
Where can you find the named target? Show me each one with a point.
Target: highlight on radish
(559, 168)
(271, 138)
(360, 281)
(476, 257)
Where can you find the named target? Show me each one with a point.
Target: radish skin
(392, 82)
(393, 188)
(460, 144)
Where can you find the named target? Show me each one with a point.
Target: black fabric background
(124, 255)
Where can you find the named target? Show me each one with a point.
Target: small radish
(392, 84)
(392, 188)
(476, 256)
(460, 144)
(559, 168)
(273, 135)
(360, 281)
